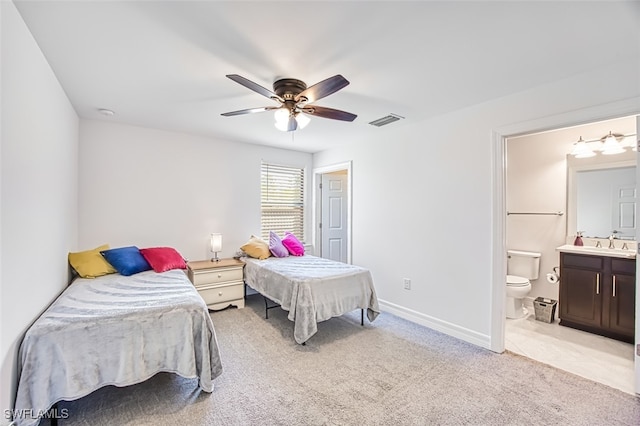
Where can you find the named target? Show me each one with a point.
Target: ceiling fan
(294, 99)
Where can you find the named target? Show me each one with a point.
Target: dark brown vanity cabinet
(597, 294)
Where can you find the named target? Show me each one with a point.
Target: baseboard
(445, 327)
(528, 302)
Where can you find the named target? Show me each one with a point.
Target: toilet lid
(516, 281)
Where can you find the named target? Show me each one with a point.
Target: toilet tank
(524, 264)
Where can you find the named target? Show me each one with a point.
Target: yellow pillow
(257, 248)
(90, 263)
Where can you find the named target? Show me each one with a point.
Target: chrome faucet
(611, 244)
(598, 245)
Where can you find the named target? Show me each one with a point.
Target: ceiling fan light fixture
(282, 115)
(302, 120)
(282, 125)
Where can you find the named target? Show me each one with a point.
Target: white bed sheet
(312, 289)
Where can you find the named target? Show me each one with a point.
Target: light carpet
(389, 372)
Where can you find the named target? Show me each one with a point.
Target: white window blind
(282, 200)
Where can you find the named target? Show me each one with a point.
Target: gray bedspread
(312, 289)
(115, 330)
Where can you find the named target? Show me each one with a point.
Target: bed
(115, 330)
(312, 289)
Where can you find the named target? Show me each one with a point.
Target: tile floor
(594, 357)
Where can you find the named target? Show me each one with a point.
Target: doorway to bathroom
(533, 168)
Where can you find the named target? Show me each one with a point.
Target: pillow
(256, 248)
(163, 258)
(275, 246)
(292, 244)
(126, 260)
(90, 264)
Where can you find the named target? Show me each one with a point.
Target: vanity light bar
(613, 143)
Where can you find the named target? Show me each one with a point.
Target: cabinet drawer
(213, 294)
(582, 261)
(623, 266)
(215, 276)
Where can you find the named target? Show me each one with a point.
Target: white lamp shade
(282, 125)
(582, 150)
(611, 146)
(281, 115)
(216, 242)
(302, 120)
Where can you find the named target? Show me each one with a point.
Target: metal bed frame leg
(267, 307)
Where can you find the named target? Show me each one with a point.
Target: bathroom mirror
(602, 196)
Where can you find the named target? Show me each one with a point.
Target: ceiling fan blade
(249, 111)
(324, 88)
(334, 114)
(254, 86)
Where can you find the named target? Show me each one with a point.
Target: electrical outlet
(407, 284)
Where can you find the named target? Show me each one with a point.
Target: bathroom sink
(599, 251)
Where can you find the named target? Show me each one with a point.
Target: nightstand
(219, 283)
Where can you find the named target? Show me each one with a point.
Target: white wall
(38, 189)
(149, 187)
(427, 187)
(536, 181)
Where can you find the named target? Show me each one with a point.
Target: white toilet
(522, 266)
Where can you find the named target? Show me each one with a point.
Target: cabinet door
(581, 296)
(622, 305)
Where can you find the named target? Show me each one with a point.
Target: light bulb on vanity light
(611, 145)
(216, 246)
(582, 150)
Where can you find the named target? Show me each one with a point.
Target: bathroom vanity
(597, 291)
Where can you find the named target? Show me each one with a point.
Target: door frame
(608, 111)
(317, 204)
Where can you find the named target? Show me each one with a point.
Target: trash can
(545, 309)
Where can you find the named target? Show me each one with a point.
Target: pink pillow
(293, 245)
(276, 247)
(163, 258)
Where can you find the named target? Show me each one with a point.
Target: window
(282, 200)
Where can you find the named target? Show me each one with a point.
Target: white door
(624, 211)
(333, 225)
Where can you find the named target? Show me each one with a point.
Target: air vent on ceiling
(388, 119)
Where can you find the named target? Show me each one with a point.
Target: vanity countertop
(597, 251)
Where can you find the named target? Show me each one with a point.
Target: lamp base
(215, 257)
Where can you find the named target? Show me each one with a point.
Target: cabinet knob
(219, 293)
(219, 275)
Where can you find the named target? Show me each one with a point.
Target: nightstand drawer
(216, 294)
(215, 276)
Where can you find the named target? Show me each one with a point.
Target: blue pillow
(126, 260)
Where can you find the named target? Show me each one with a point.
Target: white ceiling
(162, 64)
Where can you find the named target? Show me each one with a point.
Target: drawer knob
(219, 293)
(219, 275)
